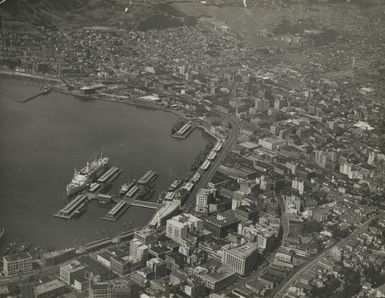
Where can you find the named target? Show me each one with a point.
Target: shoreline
(38, 80)
(142, 105)
(32, 77)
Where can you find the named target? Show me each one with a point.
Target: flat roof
(222, 219)
(18, 256)
(74, 266)
(218, 273)
(244, 249)
(94, 86)
(49, 286)
(150, 97)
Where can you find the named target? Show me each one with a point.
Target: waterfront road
(284, 216)
(281, 292)
(232, 138)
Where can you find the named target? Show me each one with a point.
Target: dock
(218, 146)
(94, 187)
(148, 177)
(205, 165)
(45, 91)
(110, 175)
(184, 131)
(73, 207)
(117, 211)
(133, 190)
(196, 177)
(126, 235)
(98, 244)
(212, 155)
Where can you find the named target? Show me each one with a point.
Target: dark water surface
(42, 141)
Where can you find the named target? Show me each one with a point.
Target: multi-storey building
(15, 264)
(179, 226)
(146, 235)
(203, 199)
(242, 259)
(220, 224)
(99, 289)
(51, 289)
(138, 250)
(69, 272)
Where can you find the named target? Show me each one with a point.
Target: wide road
(310, 265)
(206, 177)
(284, 216)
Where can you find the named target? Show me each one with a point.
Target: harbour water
(42, 141)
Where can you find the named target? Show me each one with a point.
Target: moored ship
(126, 187)
(87, 175)
(175, 185)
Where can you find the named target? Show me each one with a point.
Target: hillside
(72, 14)
(352, 17)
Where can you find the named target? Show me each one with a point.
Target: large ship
(87, 175)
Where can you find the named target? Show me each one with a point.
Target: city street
(315, 261)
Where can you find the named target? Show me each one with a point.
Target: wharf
(148, 177)
(46, 91)
(212, 155)
(121, 207)
(110, 175)
(184, 131)
(117, 211)
(126, 235)
(73, 207)
(218, 146)
(94, 245)
(205, 165)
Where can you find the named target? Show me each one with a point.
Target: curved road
(297, 275)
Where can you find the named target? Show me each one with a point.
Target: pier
(212, 155)
(73, 207)
(148, 177)
(205, 165)
(184, 131)
(133, 190)
(218, 146)
(46, 91)
(120, 208)
(117, 211)
(110, 175)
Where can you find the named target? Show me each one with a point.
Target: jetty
(184, 131)
(73, 208)
(148, 177)
(45, 91)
